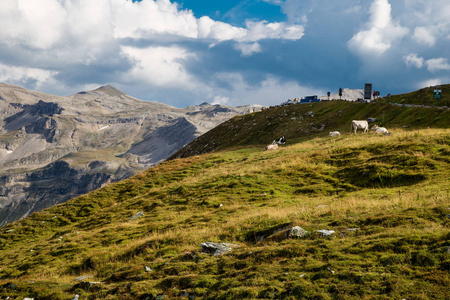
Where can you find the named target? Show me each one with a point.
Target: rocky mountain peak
(110, 90)
(98, 136)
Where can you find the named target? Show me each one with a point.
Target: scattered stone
(137, 215)
(302, 275)
(26, 298)
(87, 286)
(161, 297)
(448, 216)
(10, 230)
(187, 295)
(81, 278)
(220, 205)
(331, 271)
(217, 248)
(148, 269)
(10, 286)
(321, 206)
(76, 297)
(325, 232)
(296, 232)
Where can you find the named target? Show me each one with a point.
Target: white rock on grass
(325, 232)
(296, 232)
(137, 215)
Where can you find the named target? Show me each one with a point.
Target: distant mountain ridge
(54, 148)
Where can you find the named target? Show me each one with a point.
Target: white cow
(335, 133)
(271, 147)
(362, 124)
(381, 130)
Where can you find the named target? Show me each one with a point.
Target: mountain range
(53, 148)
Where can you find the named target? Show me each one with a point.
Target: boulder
(325, 232)
(296, 232)
(217, 248)
(137, 215)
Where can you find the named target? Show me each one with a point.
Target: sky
(186, 52)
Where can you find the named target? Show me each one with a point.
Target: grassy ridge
(302, 122)
(423, 97)
(387, 198)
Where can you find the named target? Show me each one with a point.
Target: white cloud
(248, 48)
(145, 18)
(433, 65)
(253, 32)
(221, 100)
(424, 36)
(432, 82)
(437, 64)
(219, 31)
(269, 91)
(159, 66)
(429, 20)
(21, 75)
(72, 35)
(382, 31)
(412, 60)
(36, 23)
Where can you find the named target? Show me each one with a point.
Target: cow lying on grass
(380, 130)
(334, 133)
(271, 147)
(280, 141)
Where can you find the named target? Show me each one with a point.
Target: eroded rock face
(55, 148)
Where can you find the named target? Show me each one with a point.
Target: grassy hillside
(303, 122)
(423, 97)
(386, 198)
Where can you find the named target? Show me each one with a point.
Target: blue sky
(185, 52)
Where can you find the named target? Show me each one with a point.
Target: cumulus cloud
(433, 65)
(437, 64)
(30, 24)
(380, 33)
(412, 60)
(159, 66)
(22, 75)
(70, 36)
(221, 100)
(248, 48)
(424, 36)
(271, 89)
(431, 82)
(254, 31)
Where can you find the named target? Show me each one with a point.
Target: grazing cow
(381, 130)
(362, 124)
(271, 147)
(280, 141)
(335, 133)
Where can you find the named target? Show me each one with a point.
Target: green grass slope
(302, 122)
(422, 97)
(386, 198)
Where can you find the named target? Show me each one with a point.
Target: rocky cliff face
(55, 148)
